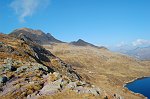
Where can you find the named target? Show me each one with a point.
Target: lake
(140, 86)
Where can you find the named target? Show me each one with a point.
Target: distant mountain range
(142, 53)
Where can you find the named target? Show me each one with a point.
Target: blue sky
(101, 22)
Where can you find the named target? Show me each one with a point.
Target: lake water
(140, 86)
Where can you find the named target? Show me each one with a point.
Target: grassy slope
(29, 80)
(103, 68)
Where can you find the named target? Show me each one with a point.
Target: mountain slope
(27, 70)
(37, 36)
(81, 42)
(103, 68)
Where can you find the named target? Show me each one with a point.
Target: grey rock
(21, 69)
(94, 91)
(1, 43)
(8, 66)
(40, 67)
(71, 85)
(8, 61)
(51, 88)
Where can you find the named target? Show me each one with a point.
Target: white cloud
(121, 44)
(24, 8)
(140, 42)
(125, 47)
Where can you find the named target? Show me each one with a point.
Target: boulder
(81, 89)
(39, 67)
(51, 88)
(21, 69)
(3, 79)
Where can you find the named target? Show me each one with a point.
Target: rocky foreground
(27, 70)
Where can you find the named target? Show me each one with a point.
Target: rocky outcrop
(57, 83)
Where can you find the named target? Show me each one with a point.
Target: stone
(51, 88)
(1, 43)
(56, 74)
(39, 67)
(16, 53)
(13, 68)
(21, 69)
(8, 66)
(81, 89)
(8, 61)
(3, 79)
(9, 49)
(71, 85)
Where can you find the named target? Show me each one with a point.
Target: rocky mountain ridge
(40, 37)
(37, 36)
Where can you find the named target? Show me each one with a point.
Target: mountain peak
(81, 42)
(37, 36)
(49, 34)
(24, 28)
(38, 32)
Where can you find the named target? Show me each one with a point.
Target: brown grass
(103, 68)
